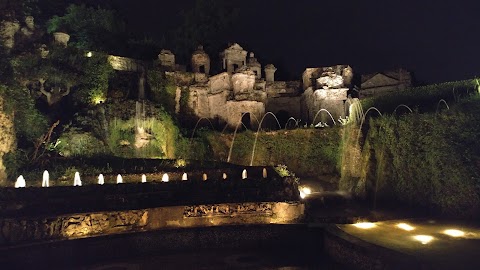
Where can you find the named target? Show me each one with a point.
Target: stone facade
(7, 139)
(381, 83)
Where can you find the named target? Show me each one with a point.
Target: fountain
(144, 178)
(402, 105)
(46, 179)
(195, 128)
(233, 139)
(363, 120)
(244, 174)
(119, 179)
(184, 177)
(165, 178)
(294, 120)
(20, 183)
(323, 110)
(256, 134)
(444, 102)
(77, 182)
(101, 179)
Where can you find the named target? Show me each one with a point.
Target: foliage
(163, 89)
(89, 28)
(77, 143)
(66, 66)
(163, 142)
(308, 152)
(18, 9)
(427, 160)
(423, 98)
(30, 124)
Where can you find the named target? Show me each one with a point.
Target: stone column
(270, 73)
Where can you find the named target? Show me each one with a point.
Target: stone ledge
(17, 231)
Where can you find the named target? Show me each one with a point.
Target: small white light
(405, 226)
(365, 225)
(144, 178)
(424, 239)
(89, 54)
(454, 233)
(165, 178)
(119, 179)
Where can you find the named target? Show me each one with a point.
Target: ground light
(405, 226)
(424, 239)
(365, 225)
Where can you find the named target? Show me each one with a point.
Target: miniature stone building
(240, 95)
(200, 61)
(381, 83)
(233, 58)
(255, 66)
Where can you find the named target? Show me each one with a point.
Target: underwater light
(454, 233)
(424, 239)
(405, 226)
(365, 225)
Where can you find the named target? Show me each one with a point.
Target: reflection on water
(267, 259)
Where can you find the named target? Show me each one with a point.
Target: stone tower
(200, 61)
(254, 66)
(233, 57)
(270, 73)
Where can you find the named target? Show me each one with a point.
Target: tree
(89, 28)
(18, 9)
(208, 23)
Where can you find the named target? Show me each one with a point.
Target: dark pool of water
(294, 258)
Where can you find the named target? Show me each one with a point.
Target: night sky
(437, 41)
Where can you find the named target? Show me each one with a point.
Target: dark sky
(437, 40)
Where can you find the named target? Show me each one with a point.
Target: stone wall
(7, 139)
(292, 105)
(125, 63)
(15, 231)
(235, 109)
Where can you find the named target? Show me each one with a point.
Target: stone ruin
(241, 94)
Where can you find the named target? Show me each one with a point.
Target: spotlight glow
(304, 191)
(365, 225)
(405, 226)
(454, 233)
(424, 239)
